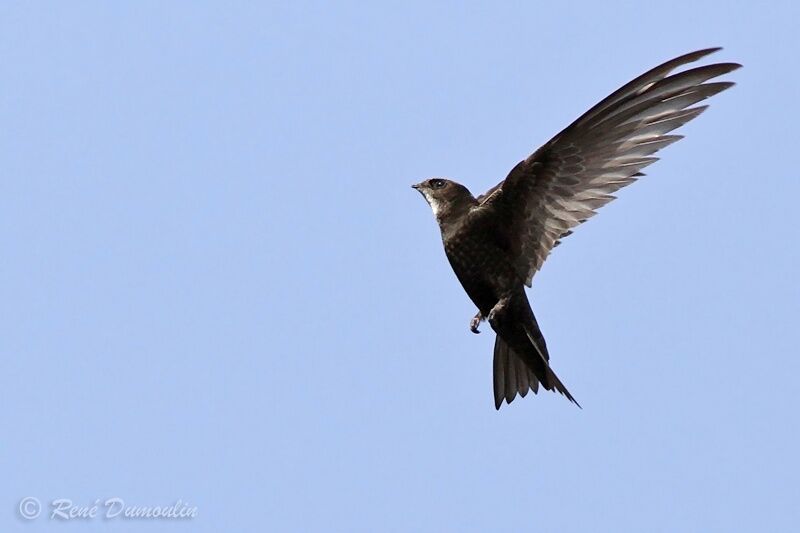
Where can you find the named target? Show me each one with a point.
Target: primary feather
(563, 183)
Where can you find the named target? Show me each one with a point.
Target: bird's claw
(473, 325)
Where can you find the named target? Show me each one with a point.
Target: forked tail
(513, 376)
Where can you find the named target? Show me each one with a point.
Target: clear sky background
(217, 285)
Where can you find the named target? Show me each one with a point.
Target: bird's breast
(484, 269)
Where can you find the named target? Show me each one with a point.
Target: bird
(497, 241)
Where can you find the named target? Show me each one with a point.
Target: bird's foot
(473, 325)
(498, 309)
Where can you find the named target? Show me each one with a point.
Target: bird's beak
(416, 186)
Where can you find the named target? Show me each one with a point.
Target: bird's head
(445, 197)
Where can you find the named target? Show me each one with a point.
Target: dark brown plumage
(498, 241)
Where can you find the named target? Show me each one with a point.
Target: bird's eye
(437, 184)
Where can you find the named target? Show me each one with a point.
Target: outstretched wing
(563, 183)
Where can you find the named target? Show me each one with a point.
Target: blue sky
(217, 285)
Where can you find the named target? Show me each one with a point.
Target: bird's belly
(485, 271)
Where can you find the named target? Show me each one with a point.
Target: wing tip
(691, 57)
(724, 68)
(703, 52)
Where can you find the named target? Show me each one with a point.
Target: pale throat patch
(433, 202)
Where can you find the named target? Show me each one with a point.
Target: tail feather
(513, 376)
(521, 361)
(561, 388)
